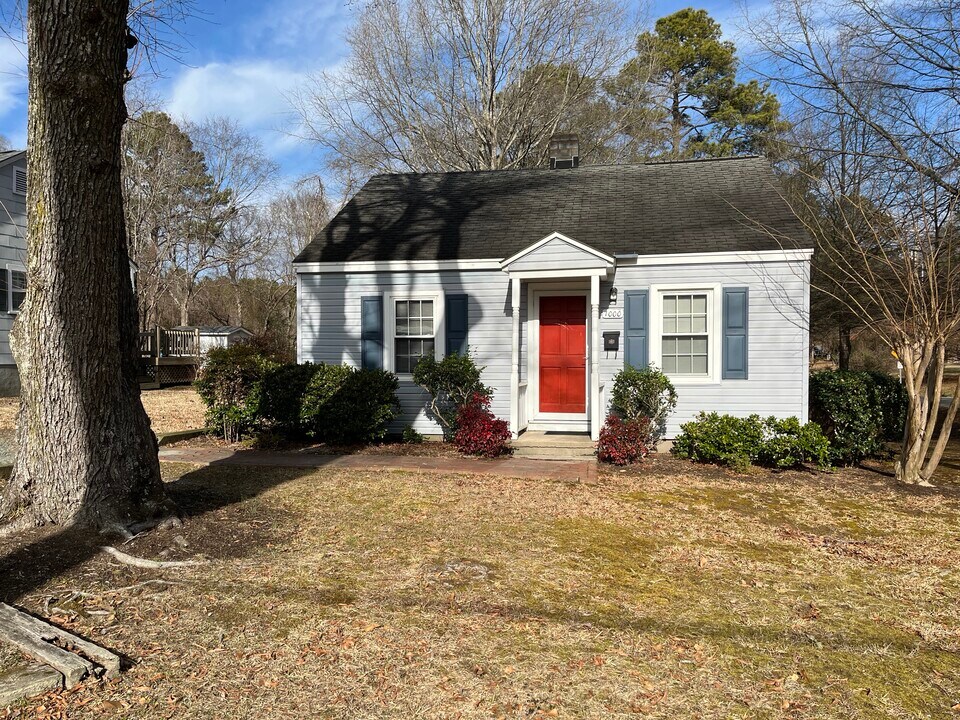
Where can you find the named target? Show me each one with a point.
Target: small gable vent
(19, 181)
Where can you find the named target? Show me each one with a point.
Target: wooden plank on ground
(36, 637)
(28, 681)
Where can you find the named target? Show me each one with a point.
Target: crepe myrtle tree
(888, 234)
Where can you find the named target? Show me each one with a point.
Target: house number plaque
(612, 314)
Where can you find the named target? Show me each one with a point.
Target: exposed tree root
(147, 564)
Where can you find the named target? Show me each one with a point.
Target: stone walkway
(581, 471)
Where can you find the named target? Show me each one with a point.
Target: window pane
(683, 305)
(683, 346)
(700, 304)
(426, 326)
(403, 327)
(699, 346)
(683, 324)
(403, 309)
(427, 309)
(683, 365)
(670, 324)
(19, 280)
(428, 348)
(17, 299)
(669, 304)
(699, 324)
(700, 364)
(669, 346)
(670, 364)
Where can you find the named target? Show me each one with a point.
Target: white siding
(13, 244)
(329, 331)
(557, 254)
(777, 346)
(330, 326)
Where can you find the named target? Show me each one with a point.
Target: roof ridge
(543, 168)
(722, 158)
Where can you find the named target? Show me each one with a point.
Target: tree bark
(846, 349)
(86, 453)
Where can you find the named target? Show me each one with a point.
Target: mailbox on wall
(611, 341)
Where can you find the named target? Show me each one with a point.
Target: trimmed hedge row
(246, 391)
(858, 411)
(739, 442)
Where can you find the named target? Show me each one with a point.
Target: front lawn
(671, 591)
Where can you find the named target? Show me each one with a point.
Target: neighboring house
(13, 251)
(555, 279)
(217, 336)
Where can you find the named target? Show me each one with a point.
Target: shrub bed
(228, 383)
(282, 391)
(858, 412)
(345, 405)
(622, 441)
(739, 442)
(479, 431)
(644, 393)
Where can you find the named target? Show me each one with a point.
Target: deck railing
(161, 343)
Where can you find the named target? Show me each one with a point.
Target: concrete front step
(553, 446)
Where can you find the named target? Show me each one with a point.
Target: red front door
(563, 350)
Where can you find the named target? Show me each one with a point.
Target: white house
(555, 278)
(13, 251)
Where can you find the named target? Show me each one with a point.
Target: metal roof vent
(564, 152)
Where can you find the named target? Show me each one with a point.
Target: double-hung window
(13, 289)
(685, 334)
(415, 330)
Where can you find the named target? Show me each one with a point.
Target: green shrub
(644, 393)
(788, 443)
(411, 436)
(739, 442)
(721, 439)
(345, 405)
(228, 383)
(858, 411)
(451, 382)
(889, 398)
(281, 396)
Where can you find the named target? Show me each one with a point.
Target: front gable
(557, 252)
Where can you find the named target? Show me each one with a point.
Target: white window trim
(714, 327)
(8, 269)
(390, 326)
(16, 171)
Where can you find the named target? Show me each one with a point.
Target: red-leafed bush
(623, 441)
(479, 431)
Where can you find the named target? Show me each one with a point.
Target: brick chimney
(564, 152)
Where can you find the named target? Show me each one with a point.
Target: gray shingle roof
(652, 208)
(6, 155)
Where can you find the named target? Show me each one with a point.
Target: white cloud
(251, 92)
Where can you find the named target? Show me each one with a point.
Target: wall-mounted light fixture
(613, 294)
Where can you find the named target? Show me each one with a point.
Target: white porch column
(596, 420)
(515, 358)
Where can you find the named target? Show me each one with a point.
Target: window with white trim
(414, 335)
(685, 334)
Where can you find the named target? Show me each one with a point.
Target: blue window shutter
(636, 321)
(457, 321)
(735, 327)
(371, 332)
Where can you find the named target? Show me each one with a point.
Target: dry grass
(669, 592)
(170, 409)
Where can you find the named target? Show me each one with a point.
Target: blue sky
(242, 56)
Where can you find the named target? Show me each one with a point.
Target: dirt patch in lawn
(170, 409)
(428, 448)
(665, 591)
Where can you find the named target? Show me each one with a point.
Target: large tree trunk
(86, 452)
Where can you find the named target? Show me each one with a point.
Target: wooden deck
(169, 357)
